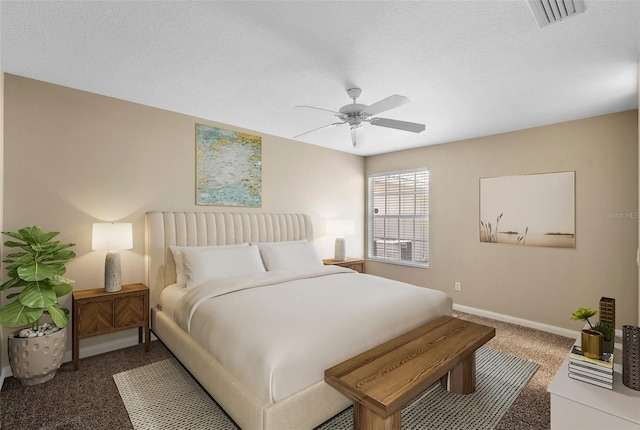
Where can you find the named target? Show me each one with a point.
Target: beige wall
(73, 158)
(537, 284)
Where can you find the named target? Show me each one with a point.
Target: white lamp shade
(111, 236)
(340, 227)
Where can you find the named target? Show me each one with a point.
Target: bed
(258, 332)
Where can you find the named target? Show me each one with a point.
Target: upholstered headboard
(164, 229)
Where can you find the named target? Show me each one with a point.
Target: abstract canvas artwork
(529, 210)
(228, 167)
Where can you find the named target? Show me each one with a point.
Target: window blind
(398, 217)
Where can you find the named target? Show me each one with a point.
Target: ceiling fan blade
(317, 108)
(390, 102)
(400, 125)
(319, 128)
(357, 136)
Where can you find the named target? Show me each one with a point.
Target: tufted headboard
(164, 229)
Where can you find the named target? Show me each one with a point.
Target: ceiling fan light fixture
(352, 109)
(357, 137)
(355, 114)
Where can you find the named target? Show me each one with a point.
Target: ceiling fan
(356, 114)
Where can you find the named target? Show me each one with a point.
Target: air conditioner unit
(393, 249)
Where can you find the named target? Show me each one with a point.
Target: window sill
(399, 262)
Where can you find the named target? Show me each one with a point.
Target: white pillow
(181, 277)
(289, 255)
(220, 262)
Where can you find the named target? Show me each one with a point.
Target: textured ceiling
(470, 68)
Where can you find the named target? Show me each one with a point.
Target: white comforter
(278, 332)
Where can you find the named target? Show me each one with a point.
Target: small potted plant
(607, 334)
(37, 269)
(592, 340)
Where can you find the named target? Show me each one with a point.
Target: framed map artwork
(228, 167)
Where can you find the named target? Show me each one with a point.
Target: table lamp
(111, 237)
(340, 229)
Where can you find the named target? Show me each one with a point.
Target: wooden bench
(384, 379)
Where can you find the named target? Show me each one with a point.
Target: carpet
(164, 396)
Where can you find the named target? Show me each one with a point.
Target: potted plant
(592, 340)
(607, 334)
(37, 269)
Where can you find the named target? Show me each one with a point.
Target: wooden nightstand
(97, 312)
(356, 264)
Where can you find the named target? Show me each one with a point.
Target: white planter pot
(35, 360)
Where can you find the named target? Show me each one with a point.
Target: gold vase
(592, 343)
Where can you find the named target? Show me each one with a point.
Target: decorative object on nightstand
(631, 356)
(608, 311)
(607, 324)
(340, 229)
(36, 353)
(112, 237)
(97, 312)
(608, 335)
(593, 371)
(356, 264)
(592, 341)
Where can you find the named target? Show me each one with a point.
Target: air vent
(551, 11)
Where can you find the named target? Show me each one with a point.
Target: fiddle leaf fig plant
(37, 268)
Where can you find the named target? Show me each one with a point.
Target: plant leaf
(15, 315)
(11, 243)
(12, 282)
(583, 314)
(59, 279)
(38, 295)
(62, 289)
(63, 255)
(37, 271)
(58, 315)
(34, 234)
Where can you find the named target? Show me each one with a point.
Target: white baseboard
(573, 334)
(88, 351)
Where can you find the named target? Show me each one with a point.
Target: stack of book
(594, 371)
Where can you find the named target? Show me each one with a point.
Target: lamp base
(340, 254)
(112, 281)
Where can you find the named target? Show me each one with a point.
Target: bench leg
(364, 419)
(462, 378)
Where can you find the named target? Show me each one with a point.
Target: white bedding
(278, 331)
(170, 297)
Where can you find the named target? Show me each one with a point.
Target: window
(399, 217)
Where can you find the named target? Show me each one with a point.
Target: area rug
(164, 395)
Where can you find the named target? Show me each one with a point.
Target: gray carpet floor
(89, 399)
